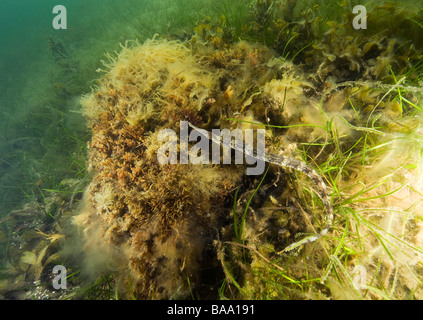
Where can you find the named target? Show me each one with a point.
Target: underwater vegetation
(345, 102)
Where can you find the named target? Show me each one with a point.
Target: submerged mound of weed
(164, 216)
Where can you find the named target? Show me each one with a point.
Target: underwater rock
(165, 216)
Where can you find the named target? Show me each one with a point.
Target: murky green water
(39, 133)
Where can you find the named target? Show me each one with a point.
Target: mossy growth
(166, 216)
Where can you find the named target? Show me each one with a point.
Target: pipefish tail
(285, 162)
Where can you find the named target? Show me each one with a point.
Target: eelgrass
(347, 242)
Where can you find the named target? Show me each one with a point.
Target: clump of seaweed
(166, 216)
(32, 240)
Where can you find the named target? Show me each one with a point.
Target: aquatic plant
(162, 214)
